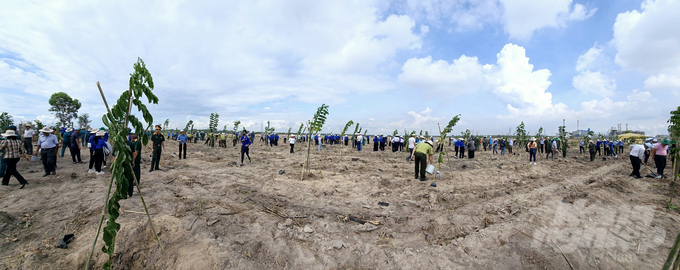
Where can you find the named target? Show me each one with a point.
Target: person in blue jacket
(383, 141)
(461, 148)
(245, 146)
(598, 146)
(376, 140)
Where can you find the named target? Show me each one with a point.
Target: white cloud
(648, 40)
(514, 81)
(595, 83)
(663, 81)
(523, 17)
(464, 75)
(204, 56)
(422, 117)
(520, 18)
(586, 60)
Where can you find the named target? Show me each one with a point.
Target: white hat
(533, 139)
(46, 130)
(100, 133)
(93, 130)
(9, 133)
(422, 137)
(655, 140)
(69, 129)
(429, 142)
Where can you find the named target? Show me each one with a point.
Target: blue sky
(385, 64)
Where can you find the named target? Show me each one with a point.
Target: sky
(404, 64)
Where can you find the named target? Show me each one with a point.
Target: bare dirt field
(490, 212)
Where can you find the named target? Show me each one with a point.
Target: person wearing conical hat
(47, 145)
(421, 154)
(533, 148)
(13, 148)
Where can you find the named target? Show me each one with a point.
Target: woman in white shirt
(291, 141)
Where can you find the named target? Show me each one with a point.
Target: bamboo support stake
(108, 193)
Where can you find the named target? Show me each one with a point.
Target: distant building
(580, 133)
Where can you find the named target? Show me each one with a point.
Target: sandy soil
(491, 212)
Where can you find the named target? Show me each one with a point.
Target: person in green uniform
(592, 149)
(158, 145)
(136, 155)
(422, 153)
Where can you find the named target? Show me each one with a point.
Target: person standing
(659, 153)
(533, 147)
(382, 141)
(158, 145)
(245, 146)
(581, 148)
(136, 155)
(99, 145)
(422, 153)
(502, 143)
(66, 141)
(47, 144)
(360, 141)
(541, 145)
(598, 148)
(554, 147)
(75, 146)
(28, 139)
(637, 153)
(411, 145)
(510, 143)
(471, 148)
(592, 150)
(182, 139)
(291, 141)
(13, 151)
(495, 147)
(90, 144)
(376, 141)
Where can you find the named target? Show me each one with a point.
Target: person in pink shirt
(659, 152)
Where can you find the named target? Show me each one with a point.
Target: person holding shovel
(659, 153)
(637, 153)
(422, 153)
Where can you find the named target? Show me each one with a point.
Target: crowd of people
(420, 148)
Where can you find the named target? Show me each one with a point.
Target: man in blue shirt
(598, 146)
(48, 143)
(245, 146)
(182, 139)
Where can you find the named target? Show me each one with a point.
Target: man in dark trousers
(422, 153)
(158, 145)
(75, 146)
(136, 155)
